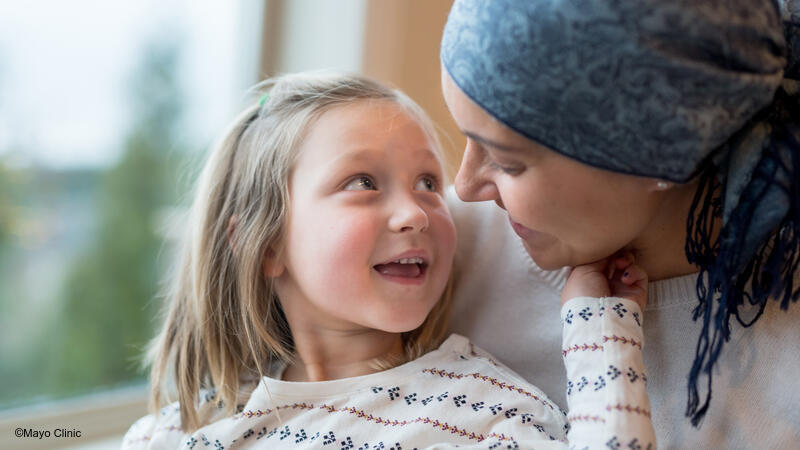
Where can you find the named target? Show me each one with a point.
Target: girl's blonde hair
(224, 322)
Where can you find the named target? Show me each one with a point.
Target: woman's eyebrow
(490, 143)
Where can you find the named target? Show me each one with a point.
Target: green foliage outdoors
(108, 301)
(6, 206)
(11, 196)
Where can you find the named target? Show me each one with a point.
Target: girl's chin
(403, 327)
(403, 321)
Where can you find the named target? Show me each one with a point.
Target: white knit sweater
(457, 395)
(507, 305)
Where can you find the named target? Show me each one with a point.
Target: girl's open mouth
(404, 270)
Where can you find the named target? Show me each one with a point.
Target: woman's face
(567, 213)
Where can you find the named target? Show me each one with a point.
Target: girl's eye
(361, 183)
(427, 183)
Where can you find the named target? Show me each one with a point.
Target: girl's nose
(408, 215)
(473, 183)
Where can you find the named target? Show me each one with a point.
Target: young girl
(312, 298)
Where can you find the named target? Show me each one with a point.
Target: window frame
(101, 416)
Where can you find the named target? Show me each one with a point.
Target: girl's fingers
(619, 261)
(634, 275)
(597, 266)
(630, 281)
(623, 260)
(587, 280)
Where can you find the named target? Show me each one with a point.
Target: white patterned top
(457, 395)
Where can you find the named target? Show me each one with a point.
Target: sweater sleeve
(602, 350)
(608, 403)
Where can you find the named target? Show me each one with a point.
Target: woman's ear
(273, 266)
(657, 185)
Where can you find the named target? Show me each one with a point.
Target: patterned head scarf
(678, 90)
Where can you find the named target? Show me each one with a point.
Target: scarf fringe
(728, 278)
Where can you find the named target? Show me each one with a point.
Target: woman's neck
(661, 248)
(331, 354)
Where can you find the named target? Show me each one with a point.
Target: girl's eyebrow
(356, 154)
(367, 154)
(490, 143)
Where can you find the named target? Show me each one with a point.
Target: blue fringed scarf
(674, 90)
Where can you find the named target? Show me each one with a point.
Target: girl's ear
(273, 267)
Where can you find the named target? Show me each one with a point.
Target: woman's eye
(505, 169)
(427, 184)
(361, 183)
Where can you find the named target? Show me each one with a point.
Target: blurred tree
(6, 221)
(6, 218)
(109, 293)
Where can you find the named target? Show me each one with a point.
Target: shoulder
(459, 353)
(485, 374)
(504, 373)
(165, 430)
(161, 430)
(475, 386)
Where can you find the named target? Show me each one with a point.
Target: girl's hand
(617, 276)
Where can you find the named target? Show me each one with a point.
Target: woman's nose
(472, 182)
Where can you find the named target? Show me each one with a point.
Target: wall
(402, 47)
(395, 41)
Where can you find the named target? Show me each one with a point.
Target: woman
(671, 129)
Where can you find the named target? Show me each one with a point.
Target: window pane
(105, 108)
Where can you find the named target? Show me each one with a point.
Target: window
(104, 108)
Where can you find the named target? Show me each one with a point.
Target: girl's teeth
(410, 261)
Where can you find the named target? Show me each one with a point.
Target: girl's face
(567, 213)
(370, 240)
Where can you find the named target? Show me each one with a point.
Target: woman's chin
(546, 258)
